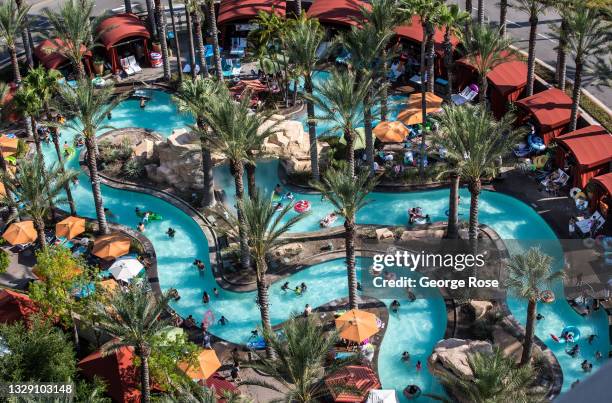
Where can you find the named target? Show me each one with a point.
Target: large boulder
(450, 356)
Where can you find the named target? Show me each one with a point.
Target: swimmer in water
(171, 231)
(143, 103)
(223, 321)
(141, 227)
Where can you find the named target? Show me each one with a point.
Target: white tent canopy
(125, 269)
(382, 396)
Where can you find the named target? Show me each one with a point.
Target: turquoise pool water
(418, 325)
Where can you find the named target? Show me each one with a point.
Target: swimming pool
(416, 328)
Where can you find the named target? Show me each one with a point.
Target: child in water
(171, 231)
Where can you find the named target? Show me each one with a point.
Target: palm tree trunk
(197, 27)
(369, 140)
(480, 12)
(503, 10)
(351, 272)
(298, 7)
(208, 198)
(452, 230)
(179, 63)
(30, 123)
(128, 6)
(448, 63)
(475, 188)
(144, 374)
(13, 212)
(430, 56)
(484, 84)
(423, 99)
(15, 64)
(250, 169)
(58, 151)
(577, 90)
(562, 56)
(160, 19)
(529, 331)
(39, 223)
(90, 142)
(312, 128)
(384, 105)
(25, 38)
(80, 69)
(533, 30)
(245, 257)
(215, 36)
(151, 17)
(468, 7)
(192, 58)
(350, 150)
(264, 300)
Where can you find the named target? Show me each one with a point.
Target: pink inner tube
(302, 206)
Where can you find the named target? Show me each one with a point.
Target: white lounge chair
(467, 95)
(127, 68)
(553, 184)
(592, 223)
(187, 68)
(134, 64)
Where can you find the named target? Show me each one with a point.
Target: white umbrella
(382, 396)
(125, 269)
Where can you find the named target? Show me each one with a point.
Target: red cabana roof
(359, 377)
(414, 32)
(551, 108)
(15, 306)
(507, 76)
(47, 55)
(120, 27)
(339, 12)
(117, 371)
(220, 386)
(605, 181)
(591, 145)
(233, 10)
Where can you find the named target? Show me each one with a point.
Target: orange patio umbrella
(207, 363)
(20, 232)
(109, 286)
(70, 227)
(8, 145)
(2, 189)
(111, 246)
(356, 325)
(391, 132)
(412, 115)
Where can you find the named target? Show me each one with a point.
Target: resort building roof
(234, 10)
(15, 306)
(338, 12)
(414, 32)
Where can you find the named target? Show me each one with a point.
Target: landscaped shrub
(133, 169)
(4, 260)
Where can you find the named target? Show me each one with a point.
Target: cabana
(47, 55)
(550, 111)
(124, 35)
(588, 151)
(601, 194)
(359, 378)
(337, 13)
(15, 307)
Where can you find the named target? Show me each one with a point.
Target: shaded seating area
(337, 13)
(15, 307)
(601, 194)
(124, 36)
(587, 152)
(549, 111)
(47, 55)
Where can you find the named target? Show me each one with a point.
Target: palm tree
(486, 49)
(503, 10)
(303, 41)
(496, 380)
(384, 16)
(29, 104)
(134, 318)
(301, 364)
(196, 97)
(533, 8)
(235, 132)
(340, 100)
(72, 31)
(25, 37)
(160, 20)
(214, 32)
(151, 16)
(194, 7)
(480, 12)
(179, 64)
(529, 273)
(35, 189)
(347, 193)
(44, 83)
(89, 106)
(474, 139)
(12, 22)
(589, 35)
(192, 56)
(128, 6)
(453, 20)
(365, 47)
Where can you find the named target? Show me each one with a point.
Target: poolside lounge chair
(467, 95)
(553, 182)
(323, 50)
(187, 68)
(134, 64)
(127, 68)
(592, 224)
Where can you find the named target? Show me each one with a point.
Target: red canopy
(509, 76)
(117, 370)
(551, 109)
(360, 377)
(233, 10)
(605, 181)
(120, 27)
(339, 12)
(47, 55)
(414, 32)
(591, 145)
(220, 385)
(15, 307)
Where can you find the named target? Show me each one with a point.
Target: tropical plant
(12, 22)
(89, 106)
(486, 49)
(72, 29)
(340, 99)
(45, 84)
(561, 32)
(196, 97)
(25, 37)
(195, 8)
(300, 365)
(35, 189)
(589, 35)
(347, 194)
(477, 141)
(29, 104)
(530, 273)
(303, 41)
(452, 19)
(496, 380)
(533, 8)
(214, 32)
(134, 318)
(5, 261)
(192, 54)
(235, 132)
(160, 21)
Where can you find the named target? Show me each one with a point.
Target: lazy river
(416, 328)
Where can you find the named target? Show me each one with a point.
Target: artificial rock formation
(450, 356)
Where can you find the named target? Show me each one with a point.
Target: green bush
(4, 260)
(133, 169)
(22, 148)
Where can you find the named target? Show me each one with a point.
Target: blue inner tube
(536, 142)
(573, 330)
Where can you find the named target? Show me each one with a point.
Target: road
(518, 28)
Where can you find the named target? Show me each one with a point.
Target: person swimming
(278, 207)
(141, 227)
(143, 103)
(574, 351)
(278, 190)
(171, 231)
(303, 287)
(298, 290)
(405, 356)
(216, 292)
(205, 298)
(395, 305)
(285, 286)
(223, 321)
(289, 196)
(145, 217)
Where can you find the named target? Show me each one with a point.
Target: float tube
(152, 215)
(568, 332)
(276, 198)
(302, 206)
(547, 296)
(536, 142)
(412, 395)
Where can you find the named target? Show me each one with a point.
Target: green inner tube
(152, 216)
